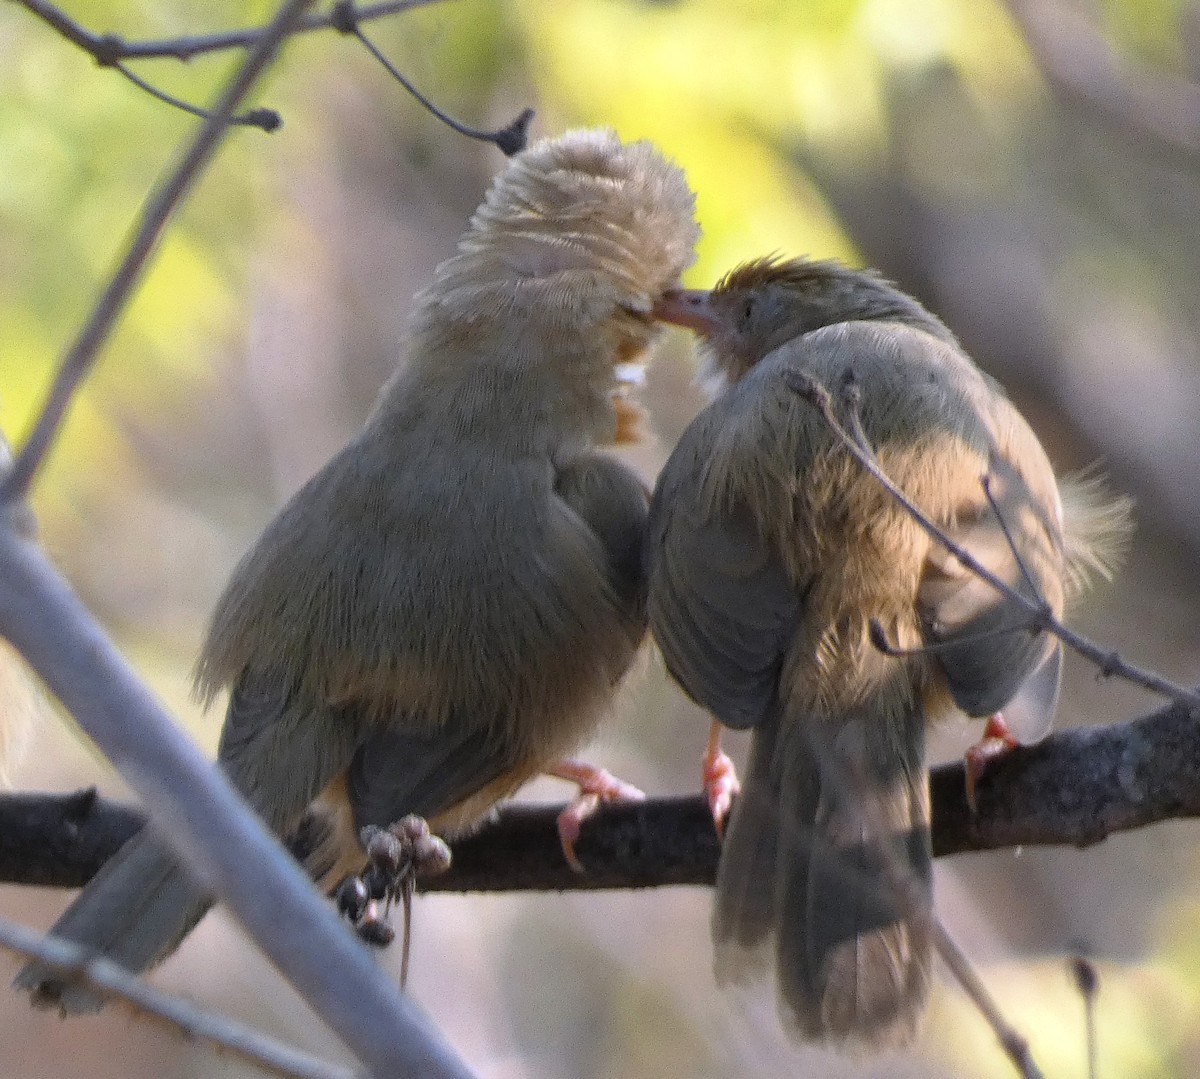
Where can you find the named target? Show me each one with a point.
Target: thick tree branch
(1074, 789)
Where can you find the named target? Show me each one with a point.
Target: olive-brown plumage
(449, 605)
(770, 551)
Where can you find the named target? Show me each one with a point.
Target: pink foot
(997, 740)
(596, 786)
(720, 780)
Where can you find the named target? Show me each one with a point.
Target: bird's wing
(612, 502)
(722, 606)
(993, 655)
(279, 751)
(399, 770)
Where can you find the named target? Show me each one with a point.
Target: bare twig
(113, 981)
(1087, 981)
(985, 481)
(510, 139)
(1108, 663)
(1015, 1047)
(108, 48)
(264, 119)
(155, 214)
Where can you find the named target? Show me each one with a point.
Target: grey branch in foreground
(209, 824)
(1073, 789)
(143, 999)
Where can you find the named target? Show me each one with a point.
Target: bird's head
(763, 304)
(580, 233)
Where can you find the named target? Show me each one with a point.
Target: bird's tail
(135, 911)
(826, 877)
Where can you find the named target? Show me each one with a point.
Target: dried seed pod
(351, 897)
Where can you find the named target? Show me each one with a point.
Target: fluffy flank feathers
(1097, 526)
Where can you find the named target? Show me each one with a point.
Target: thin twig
(510, 139)
(985, 481)
(157, 211)
(107, 48)
(406, 896)
(880, 642)
(1108, 663)
(113, 981)
(1015, 1047)
(1087, 981)
(264, 119)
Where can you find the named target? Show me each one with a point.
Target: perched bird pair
(447, 608)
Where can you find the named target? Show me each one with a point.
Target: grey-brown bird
(447, 607)
(770, 551)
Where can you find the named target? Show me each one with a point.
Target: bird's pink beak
(689, 308)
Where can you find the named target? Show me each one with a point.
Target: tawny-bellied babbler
(448, 606)
(770, 551)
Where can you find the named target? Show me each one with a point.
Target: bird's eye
(747, 310)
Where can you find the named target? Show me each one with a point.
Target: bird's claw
(997, 740)
(597, 786)
(721, 784)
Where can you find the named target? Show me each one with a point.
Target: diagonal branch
(209, 824)
(145, 1001)
(1109, 663)
(158, 209)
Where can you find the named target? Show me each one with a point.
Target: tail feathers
(744, 909)
(852, 965)
(135, 911)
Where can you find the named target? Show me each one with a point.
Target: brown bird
(770, 553)
(449, 605)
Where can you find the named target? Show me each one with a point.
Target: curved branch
(155, 214)
(1075, 788)
(106, 49)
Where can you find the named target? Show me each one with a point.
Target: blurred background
(1028, 169)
